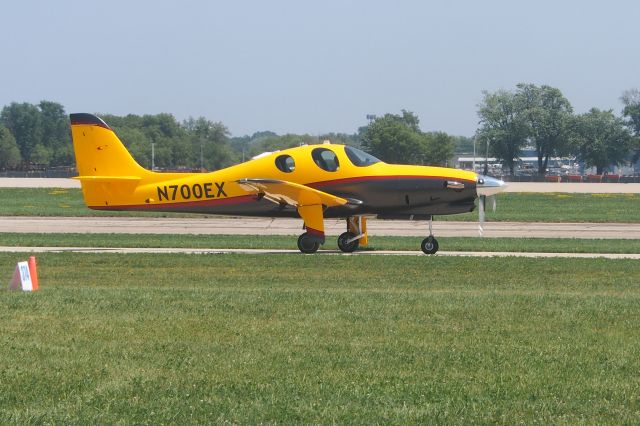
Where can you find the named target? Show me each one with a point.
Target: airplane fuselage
(387, 190)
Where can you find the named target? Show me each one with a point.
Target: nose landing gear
(355, 236)
(430, 244)
(348, 242)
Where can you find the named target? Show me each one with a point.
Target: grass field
(167, 339)
(527, 207)
(547, 245)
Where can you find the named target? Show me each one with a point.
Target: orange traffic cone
(33, 271)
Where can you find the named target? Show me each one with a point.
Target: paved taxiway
(268, 226)
(260, 226)
(129, 250)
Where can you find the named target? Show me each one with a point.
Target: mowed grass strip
(525, 207)
(543, 245)
(158, 339)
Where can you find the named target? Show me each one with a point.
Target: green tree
(631, 100)
(9, 151)
(242, 145)
(55, 134)
(160, 133)
(137, 143)
(340, 138)
(41, 155)
(41, 132)
(631, 111)
(277, 143)
(462, 144)
(210, 143)
(439, 148)
(398, 139)
(24, 121)
(548, 115)
(602, 138)
(164, 131)
(503, 126)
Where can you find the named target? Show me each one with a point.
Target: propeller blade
(493, 203)
(481, 202)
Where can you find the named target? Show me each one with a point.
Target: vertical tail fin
(98, 150)
(108, 172)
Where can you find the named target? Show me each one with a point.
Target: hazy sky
(314, 67)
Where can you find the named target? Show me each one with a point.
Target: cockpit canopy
(360, 158)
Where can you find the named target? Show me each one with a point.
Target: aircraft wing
(293, 194)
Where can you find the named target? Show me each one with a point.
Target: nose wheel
(348, 242)
(430, 244)
(356, 235)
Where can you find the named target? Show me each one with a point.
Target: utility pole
(153, 156)
(474, 153)
(486, 159)
(201, 157)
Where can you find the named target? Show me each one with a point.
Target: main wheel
(429, 245)
(307, 245)
(345, 245)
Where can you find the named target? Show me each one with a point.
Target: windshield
(360, 158)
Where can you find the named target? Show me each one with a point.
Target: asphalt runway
(333, 227)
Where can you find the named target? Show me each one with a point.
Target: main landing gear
(355, 236)
(430, 244)
(308, 244)
(348, 242)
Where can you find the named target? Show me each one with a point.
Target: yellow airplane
(312, 182)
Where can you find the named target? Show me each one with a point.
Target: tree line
(541, 117)
(39, 135)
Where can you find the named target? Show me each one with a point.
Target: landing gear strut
(355, 236)
(348, 242)
(430, 244)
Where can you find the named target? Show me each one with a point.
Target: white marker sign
(21, 278)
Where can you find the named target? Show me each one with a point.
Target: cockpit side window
(285, 163)
(360, 158)
(325, 159)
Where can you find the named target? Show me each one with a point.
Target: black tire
(344, 245)
(429, 245)
(307, 245)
